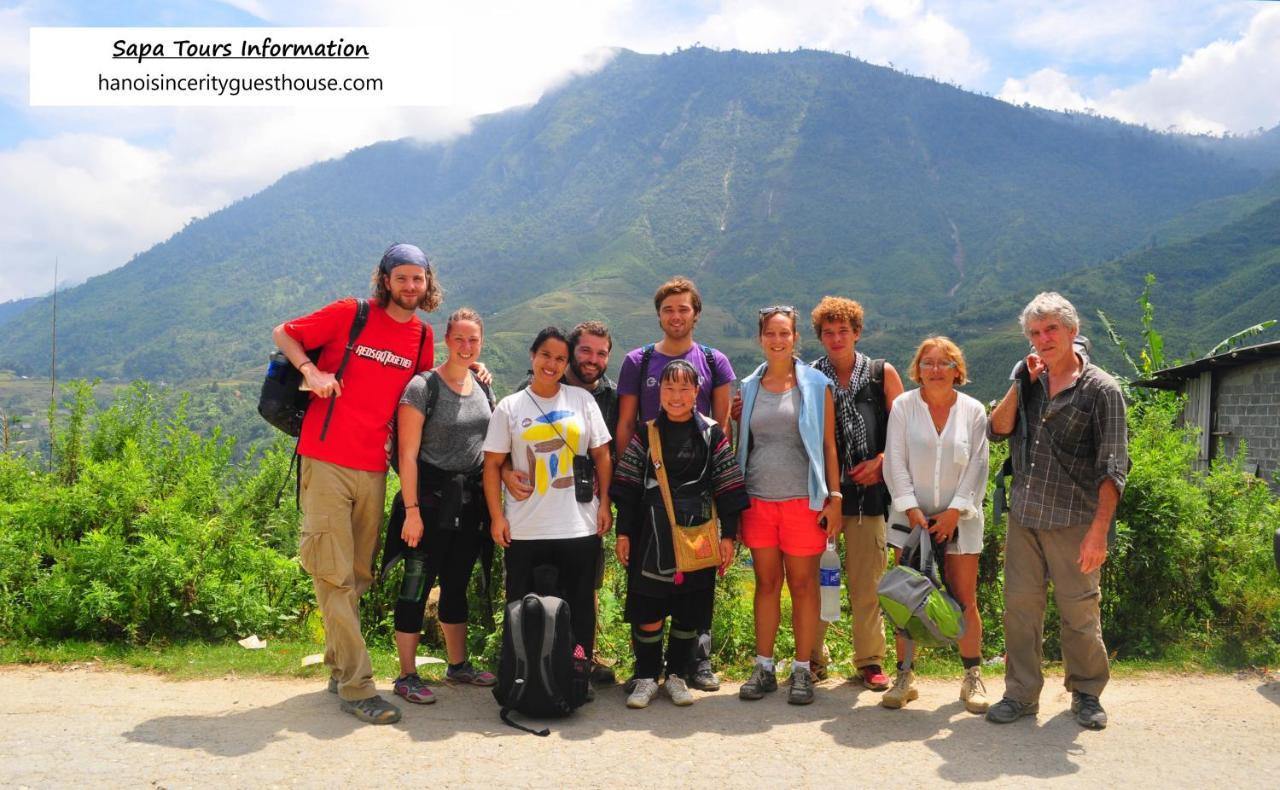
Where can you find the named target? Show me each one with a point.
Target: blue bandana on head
(401, 255)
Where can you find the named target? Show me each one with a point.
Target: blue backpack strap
(710, 354)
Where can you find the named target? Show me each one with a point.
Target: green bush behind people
(139, 529)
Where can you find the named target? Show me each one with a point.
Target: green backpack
(914, 596)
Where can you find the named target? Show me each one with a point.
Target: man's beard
(580, 376)
(406, 302)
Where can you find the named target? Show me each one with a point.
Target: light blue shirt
(812, 384)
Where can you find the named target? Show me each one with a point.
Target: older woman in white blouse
(935, 464)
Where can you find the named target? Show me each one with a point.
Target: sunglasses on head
(785, 309)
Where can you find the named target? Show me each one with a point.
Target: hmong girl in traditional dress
(700, 469)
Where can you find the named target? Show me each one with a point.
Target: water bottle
(829, 582)
(414, 581)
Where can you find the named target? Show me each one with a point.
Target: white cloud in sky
(196, 160)
(1217, 88)
(1108, 31)
(14, 54)
(107, 183)
(80, 197)
(1047, 87)
(902, 32)
(1220, 87)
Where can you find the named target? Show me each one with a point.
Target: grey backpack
(914, 596)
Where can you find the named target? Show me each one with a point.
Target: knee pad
(679, 631)
(645, 637)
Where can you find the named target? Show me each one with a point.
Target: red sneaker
(873, 677)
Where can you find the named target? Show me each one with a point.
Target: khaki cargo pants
(865, 559)
(1032, 559)
(341, 515)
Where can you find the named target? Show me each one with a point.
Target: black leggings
(574, 561)
(447, 555)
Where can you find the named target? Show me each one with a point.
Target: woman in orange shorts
(787, 451)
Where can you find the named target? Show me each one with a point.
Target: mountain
(1207, 288)
(768, 178)
(14, 308)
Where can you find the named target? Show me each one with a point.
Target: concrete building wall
(1247, 407)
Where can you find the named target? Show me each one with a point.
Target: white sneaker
(646, 689)
(678, 690)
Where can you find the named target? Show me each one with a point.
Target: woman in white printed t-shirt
(542, 428)
(935, 465)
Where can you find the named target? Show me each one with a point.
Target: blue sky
(95, 186)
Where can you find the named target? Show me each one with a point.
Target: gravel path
(88, 727)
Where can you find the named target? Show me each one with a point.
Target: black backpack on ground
(542, 672)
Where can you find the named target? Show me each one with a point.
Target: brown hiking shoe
(903, 691)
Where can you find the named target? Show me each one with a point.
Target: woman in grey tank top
(787, 450)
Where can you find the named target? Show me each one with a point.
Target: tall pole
(53, 356)
(53, 364)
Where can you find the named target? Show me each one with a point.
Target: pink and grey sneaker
(413, 688)
(467, 673)
(873, 677)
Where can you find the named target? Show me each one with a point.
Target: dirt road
(88, 727)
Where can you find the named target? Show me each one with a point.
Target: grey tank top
(777, 466)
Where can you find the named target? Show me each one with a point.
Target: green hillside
(768, 178)
(14, 308)
(1207, 288)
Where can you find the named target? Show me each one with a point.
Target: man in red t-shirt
(344, 461)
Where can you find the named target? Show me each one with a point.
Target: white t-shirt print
(542, 435)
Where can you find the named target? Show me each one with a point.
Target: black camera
(584, 478)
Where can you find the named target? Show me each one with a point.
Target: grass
(282, 658)
(195, 660)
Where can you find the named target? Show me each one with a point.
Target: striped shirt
(1064, 450)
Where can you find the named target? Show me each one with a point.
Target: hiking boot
(646, 689)
(373, 710)
(333, 685)
(678, 690)
(467, 673)
(1010, 710)
(413, 688)
(703, 679)
(761, 681)
(801, 691)
(973, 692)
(820, 662)
(873, 677)
(1088, 710)
(903, 691)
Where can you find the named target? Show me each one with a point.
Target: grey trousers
(1032, 559)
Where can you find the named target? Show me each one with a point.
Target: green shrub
(145, 530)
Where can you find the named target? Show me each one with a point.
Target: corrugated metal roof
(1172, 378)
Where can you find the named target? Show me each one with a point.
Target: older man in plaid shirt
(1070, 459)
